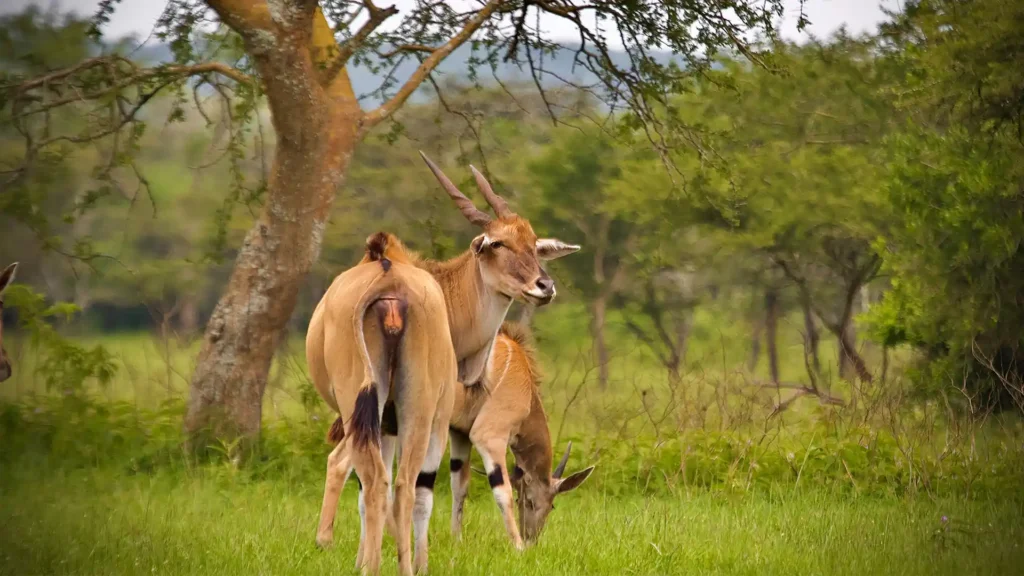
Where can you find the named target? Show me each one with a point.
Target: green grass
(206, 522)
(94, 482)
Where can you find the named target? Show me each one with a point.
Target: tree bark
(317, 128)
(771, 330)
(598, 309)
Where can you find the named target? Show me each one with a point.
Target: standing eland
(380, 335)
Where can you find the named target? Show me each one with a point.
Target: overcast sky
(138, 16)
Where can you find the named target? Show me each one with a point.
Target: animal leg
(425, 493)
(414, 441)
(362, 525)
(338, 468)
(369, 467)
(387, 452)
(492, 451)
(459, 461)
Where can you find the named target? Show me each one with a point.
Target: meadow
(94, 481)
(105, 522)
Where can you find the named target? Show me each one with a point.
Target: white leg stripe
(421, 514)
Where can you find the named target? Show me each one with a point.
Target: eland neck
(475, 312)
(532, 445)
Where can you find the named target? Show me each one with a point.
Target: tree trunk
(811, 335)
(771, 330)
(317, 128)
(683, 338)
(851, 363)
(600, 303)
(756, 330)
(188, 318)
(598, 308)
(847, 340)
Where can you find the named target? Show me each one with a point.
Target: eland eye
(497, 245)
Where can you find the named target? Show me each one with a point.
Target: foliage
(65, 366)
(955, 189)
(960, 63)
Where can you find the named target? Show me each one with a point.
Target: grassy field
(151, 370)
(100, 522)
(92, 481)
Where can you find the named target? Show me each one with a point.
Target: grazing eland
(509, 413)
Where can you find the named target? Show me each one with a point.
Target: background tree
(956, 190)
(572, 177)
(804, 183)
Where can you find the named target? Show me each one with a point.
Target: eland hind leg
(338, 469)
(459, 463)
(425, 491)
(415, 440)
(369, 467)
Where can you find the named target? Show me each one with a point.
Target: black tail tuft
(337, 432)
(376, 245)
(366, 418)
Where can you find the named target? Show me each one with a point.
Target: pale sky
(138, 16)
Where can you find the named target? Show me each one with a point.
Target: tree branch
(377, 17)
(243, 15)
(133, 75)
(374, 117)
(405, 48)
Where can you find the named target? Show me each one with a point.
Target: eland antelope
(502, 264)
(6, 277)
(509, 413)
(380, 336)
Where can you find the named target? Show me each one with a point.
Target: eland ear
(573, 482)
(480, 243)
(551, 248)
(7, 276)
